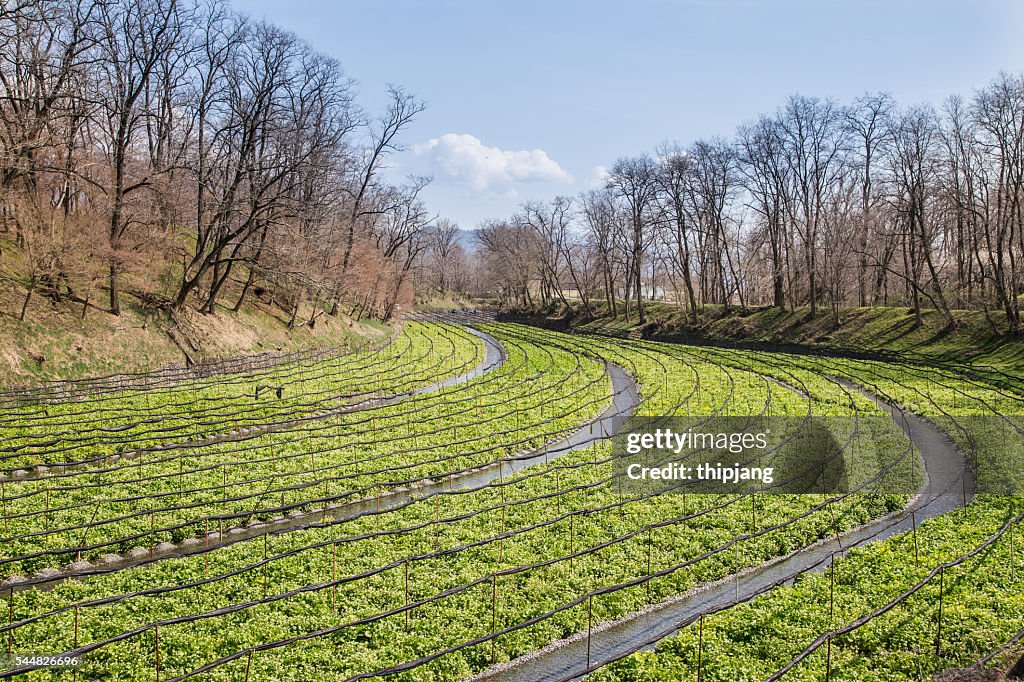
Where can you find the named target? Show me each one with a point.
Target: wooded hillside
(185, 155)
(818, 204)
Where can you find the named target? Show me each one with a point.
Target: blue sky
(528, 99)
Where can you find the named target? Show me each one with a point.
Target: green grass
(975, 339)
(55, 342)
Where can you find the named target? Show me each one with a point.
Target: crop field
(321, 363)
(444, 505)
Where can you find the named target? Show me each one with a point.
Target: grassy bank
(974, 339)
(55, 341)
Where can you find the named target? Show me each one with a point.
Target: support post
(938, 629)
(590, 625)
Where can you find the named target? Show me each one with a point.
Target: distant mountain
(467, 239)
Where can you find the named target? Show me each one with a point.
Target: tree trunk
(115, 299)
(245, 290)
(812, 281)
(24, 305)
(295, 312)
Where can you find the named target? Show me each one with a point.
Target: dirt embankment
(56, 341)
(868, 333)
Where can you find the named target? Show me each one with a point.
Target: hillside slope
(56, 342)
(975, 339)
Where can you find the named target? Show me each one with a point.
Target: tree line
(180, 152)
(818, 204)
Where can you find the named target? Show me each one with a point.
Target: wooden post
(334, 577)
(648, 564)
(571, 541)
(206, 554)
(736, 575)
(590, 625)
(156, 637)
(248, 665)
(407, 595)
(10, 621)
(501, 546)
(917, 554)
(264, 565)
(74, 670)
(828, 661)
(437, 521)
(700, 646)
(938, 630)
(835, 526)
(831, 589)
(494, 614)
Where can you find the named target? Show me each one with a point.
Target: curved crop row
(85, 431)
(478, 562)
(876, 615)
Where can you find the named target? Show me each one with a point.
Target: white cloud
(599, 176)
(466, 160)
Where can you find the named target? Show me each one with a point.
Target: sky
(528, 99)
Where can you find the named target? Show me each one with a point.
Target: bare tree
(762, 167)
(507, 250)
(635, 182)
(403, 237)
(284, 114)
(403, 108)
(868, 123)
(710, 187)
(443, 247)
(44, 49)
(674, 181)
(549, 222)
(601, 217)
(914, 168)
(999, 112)
(814, 145)
(135, 35)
